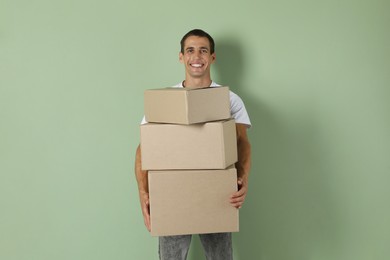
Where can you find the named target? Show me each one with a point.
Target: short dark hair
(199, 33)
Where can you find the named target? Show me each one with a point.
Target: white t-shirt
(237, 107)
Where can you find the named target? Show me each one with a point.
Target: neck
(197, 83)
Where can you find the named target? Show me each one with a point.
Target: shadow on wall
(289, 211)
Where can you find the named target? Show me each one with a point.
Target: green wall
(314, 76)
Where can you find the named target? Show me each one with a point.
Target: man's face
(197, 58)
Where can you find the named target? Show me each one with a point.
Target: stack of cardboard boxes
(189, 148)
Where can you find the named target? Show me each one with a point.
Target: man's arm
(143, 189)
(243, 166)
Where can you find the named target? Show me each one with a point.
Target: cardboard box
(186, 106)
(211, 145)
(192, 202)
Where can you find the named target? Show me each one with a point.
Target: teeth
(196, 65)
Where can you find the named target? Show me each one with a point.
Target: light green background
(314, 75)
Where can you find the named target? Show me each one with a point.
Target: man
(197, 54)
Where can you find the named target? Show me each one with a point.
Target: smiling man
(197, 54)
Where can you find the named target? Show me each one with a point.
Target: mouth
(196, 65)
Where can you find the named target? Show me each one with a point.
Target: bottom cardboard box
(192, 201)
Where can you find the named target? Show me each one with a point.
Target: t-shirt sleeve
(143, 121)
(238, 110)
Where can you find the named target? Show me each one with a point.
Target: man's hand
(142, 181)
(144, 199)
(237, 199)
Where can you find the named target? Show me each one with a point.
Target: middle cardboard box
(211, 145)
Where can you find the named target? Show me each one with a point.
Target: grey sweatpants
(217, 246)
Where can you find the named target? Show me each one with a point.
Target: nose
(198, 53)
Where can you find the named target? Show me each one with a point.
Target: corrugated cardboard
(186, 106)
(211, 145)
(192, 202)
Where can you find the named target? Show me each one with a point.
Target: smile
(196, 65)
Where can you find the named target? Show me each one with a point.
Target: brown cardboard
(186, 106)
(211, 145)
(192, 202)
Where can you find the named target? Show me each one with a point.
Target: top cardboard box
(186, 106)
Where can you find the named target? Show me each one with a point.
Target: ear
(213, 57)
(181, 57)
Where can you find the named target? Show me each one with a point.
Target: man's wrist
(243, 179)
(143, 192)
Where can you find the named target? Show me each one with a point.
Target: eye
(205, 51)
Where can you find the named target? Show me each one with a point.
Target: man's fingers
(147, 222)
(239, 193)
(237, 200)
(237, 205)
(147, 205)
(146, 213)
(145, 208)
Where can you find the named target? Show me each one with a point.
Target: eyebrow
(202, 48)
